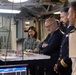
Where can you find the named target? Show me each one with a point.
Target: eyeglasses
(48, 26)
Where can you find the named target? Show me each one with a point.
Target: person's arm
(36, 43)
(40, 46)
(24, 44)
(54, 43)
(64, 63)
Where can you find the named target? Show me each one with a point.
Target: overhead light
(17, 1)
(27, 22)
(9, 11)
(71, 0)
(57, 12)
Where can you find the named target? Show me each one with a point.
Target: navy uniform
(54, 42)
(62, 27)
(64, 62)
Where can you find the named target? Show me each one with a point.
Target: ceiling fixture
(27, 22)
(17, 1)
(9, 11)
(57, 12)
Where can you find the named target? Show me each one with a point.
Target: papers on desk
(30, 56)
(8, 57)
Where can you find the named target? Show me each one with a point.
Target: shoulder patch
(62, 32)
(72, 30)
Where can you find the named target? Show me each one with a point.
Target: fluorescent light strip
(17, 1)
(9, 11)
(57, 12)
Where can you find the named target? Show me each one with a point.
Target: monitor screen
(14, 70)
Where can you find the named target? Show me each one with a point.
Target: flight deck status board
(13, 71)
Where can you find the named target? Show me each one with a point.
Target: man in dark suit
(64, 64)
(51, 45)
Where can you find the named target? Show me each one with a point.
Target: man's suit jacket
(53, 48)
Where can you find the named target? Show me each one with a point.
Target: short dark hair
(73, 5)
(65, 9)
(34, 29)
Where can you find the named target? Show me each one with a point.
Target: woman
(31, 43)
